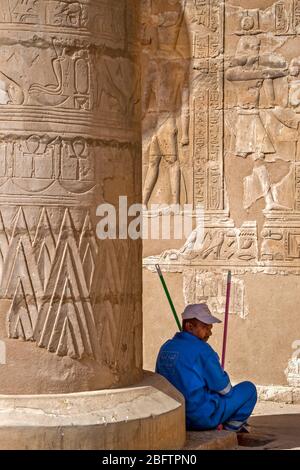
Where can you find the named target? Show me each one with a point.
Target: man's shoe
(236, 426)
(243, 430)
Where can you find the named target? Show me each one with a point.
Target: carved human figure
(249, 71)
(294, 84)
(165, 97)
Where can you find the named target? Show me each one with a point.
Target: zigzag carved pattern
(117, 300)
(49, 280)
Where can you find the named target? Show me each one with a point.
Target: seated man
(193, 367)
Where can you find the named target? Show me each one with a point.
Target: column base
(150, 415)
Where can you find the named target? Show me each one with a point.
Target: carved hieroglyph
(69, 120)
(292, 372)
(242, 161)
(243, 146)
(211, 289)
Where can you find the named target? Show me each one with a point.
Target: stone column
(70, 140)
(70, 308)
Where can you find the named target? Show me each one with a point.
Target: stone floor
(273, 426)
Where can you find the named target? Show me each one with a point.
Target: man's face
(201, 330)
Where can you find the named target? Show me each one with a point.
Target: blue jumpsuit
(193, 367)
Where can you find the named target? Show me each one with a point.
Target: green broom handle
(168, 295)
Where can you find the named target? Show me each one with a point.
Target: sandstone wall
(238, 158)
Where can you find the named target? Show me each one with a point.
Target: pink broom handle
(220, 427)
(226, 318)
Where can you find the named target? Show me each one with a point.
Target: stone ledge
(149, 415)
(279, 394)
(211, 440)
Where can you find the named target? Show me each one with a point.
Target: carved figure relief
(165, 97)
(245, 106)
(250, 71)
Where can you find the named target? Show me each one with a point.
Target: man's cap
(201, 312)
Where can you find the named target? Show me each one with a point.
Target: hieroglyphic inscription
(287, 17)
(210, 287)
(101, 17)
(66, 98)
(208, 103)
(43, 157)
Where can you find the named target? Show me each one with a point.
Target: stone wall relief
(210, 287)
(249, 85)
(269, 133)
(165, 92)
(68, 77)
(44, 164)
(69, 15)
(216, 245)
(277, 131)
(72, 86)
(206, 20)
(48, 273)
(292, 372)
(249, 71)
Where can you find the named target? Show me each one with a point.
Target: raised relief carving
(249, 71)
(66, 324)
(208, 114)
(259, 78)
(287, 17)
(292, 372)
(165, 100)
(210, 287)
(23, 11)
(45, 165)
(272, 248)
(69, 99)
(116, 89)
(70, 15)
(231, 244)
(10, 91)
(64, 74)
(73, 79)
(101, 16)
(53, 306)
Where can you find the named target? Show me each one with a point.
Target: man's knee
(249, 390)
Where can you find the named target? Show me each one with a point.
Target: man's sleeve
(216, 378)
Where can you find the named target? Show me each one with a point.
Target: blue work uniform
(193, 367)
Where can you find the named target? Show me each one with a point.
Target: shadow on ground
(272, 432)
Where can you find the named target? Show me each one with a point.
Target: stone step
(211, 440)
